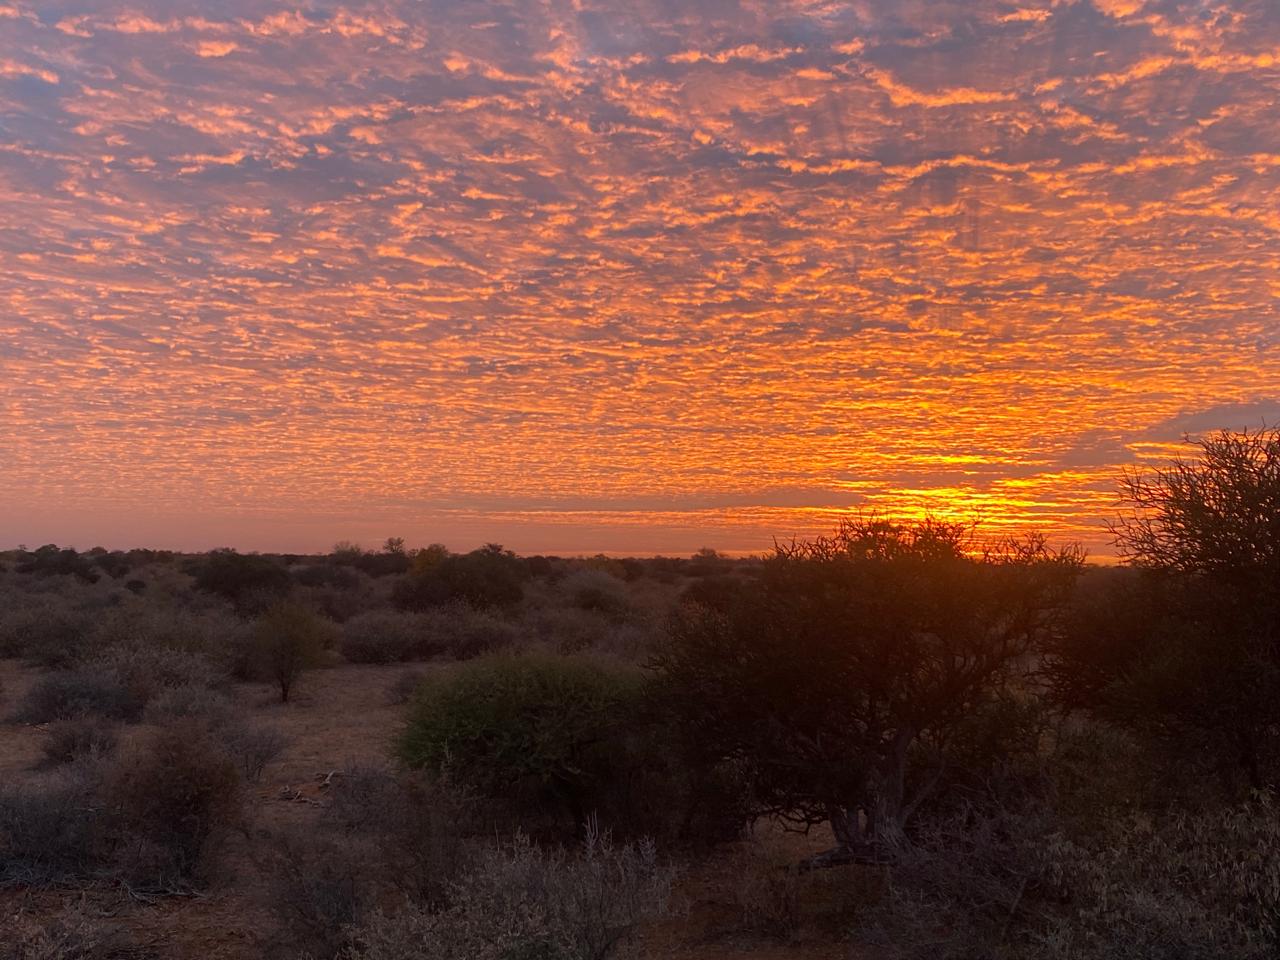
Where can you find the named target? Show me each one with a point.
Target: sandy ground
(341, 714)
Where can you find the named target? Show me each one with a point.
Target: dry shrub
(318, 889)
(51, 830)
(1188, 885)
(776, 898)
(287, 640)
(79, 739)
(959, 889)
(544, 730)
(419, 827)
(146, 671)
(1182, 885)
(252, 747)
(45, 629)
(210, 707)
(384, 636)
(82, 692)
(462, 632)
(73, 934)
(566, 629)
(170, 802)
(404, 686)
(522, 901)
(151, 624)
(597, 591)
(383, 837)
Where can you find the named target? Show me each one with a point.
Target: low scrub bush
(383, 636)
(598, 592)
(552, 736)
(566, 630)
(459, 631)
(318, 890)
(170, 802)
(80, 739)
(420, 827)
(72, 934)
(1178, 885)
(146, 671)
(82, 692)
(778, 899)
(45, 630)
(404, 686)
(522, 901)
(212, 708)
(1194, 885)
(51, 830)
(252, 747)
(383, 837)
(454, 630)
(211, 629)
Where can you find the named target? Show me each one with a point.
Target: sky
(630, 276)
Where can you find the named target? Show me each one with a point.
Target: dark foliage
(74, 694)
(488, 577)
(720, 592)
(50, 561)
(50, 833)
(326, 575)
(1189, 647)
(244, 579)
(843, 679)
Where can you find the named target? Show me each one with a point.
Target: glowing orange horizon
(595, 276)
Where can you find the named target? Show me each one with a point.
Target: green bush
(540, 727)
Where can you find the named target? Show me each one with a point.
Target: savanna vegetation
(899, 740)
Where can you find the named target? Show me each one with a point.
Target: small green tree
(288, 639)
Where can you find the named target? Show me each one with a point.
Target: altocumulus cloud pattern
(624, 275)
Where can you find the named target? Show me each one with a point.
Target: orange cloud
(603, 276)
